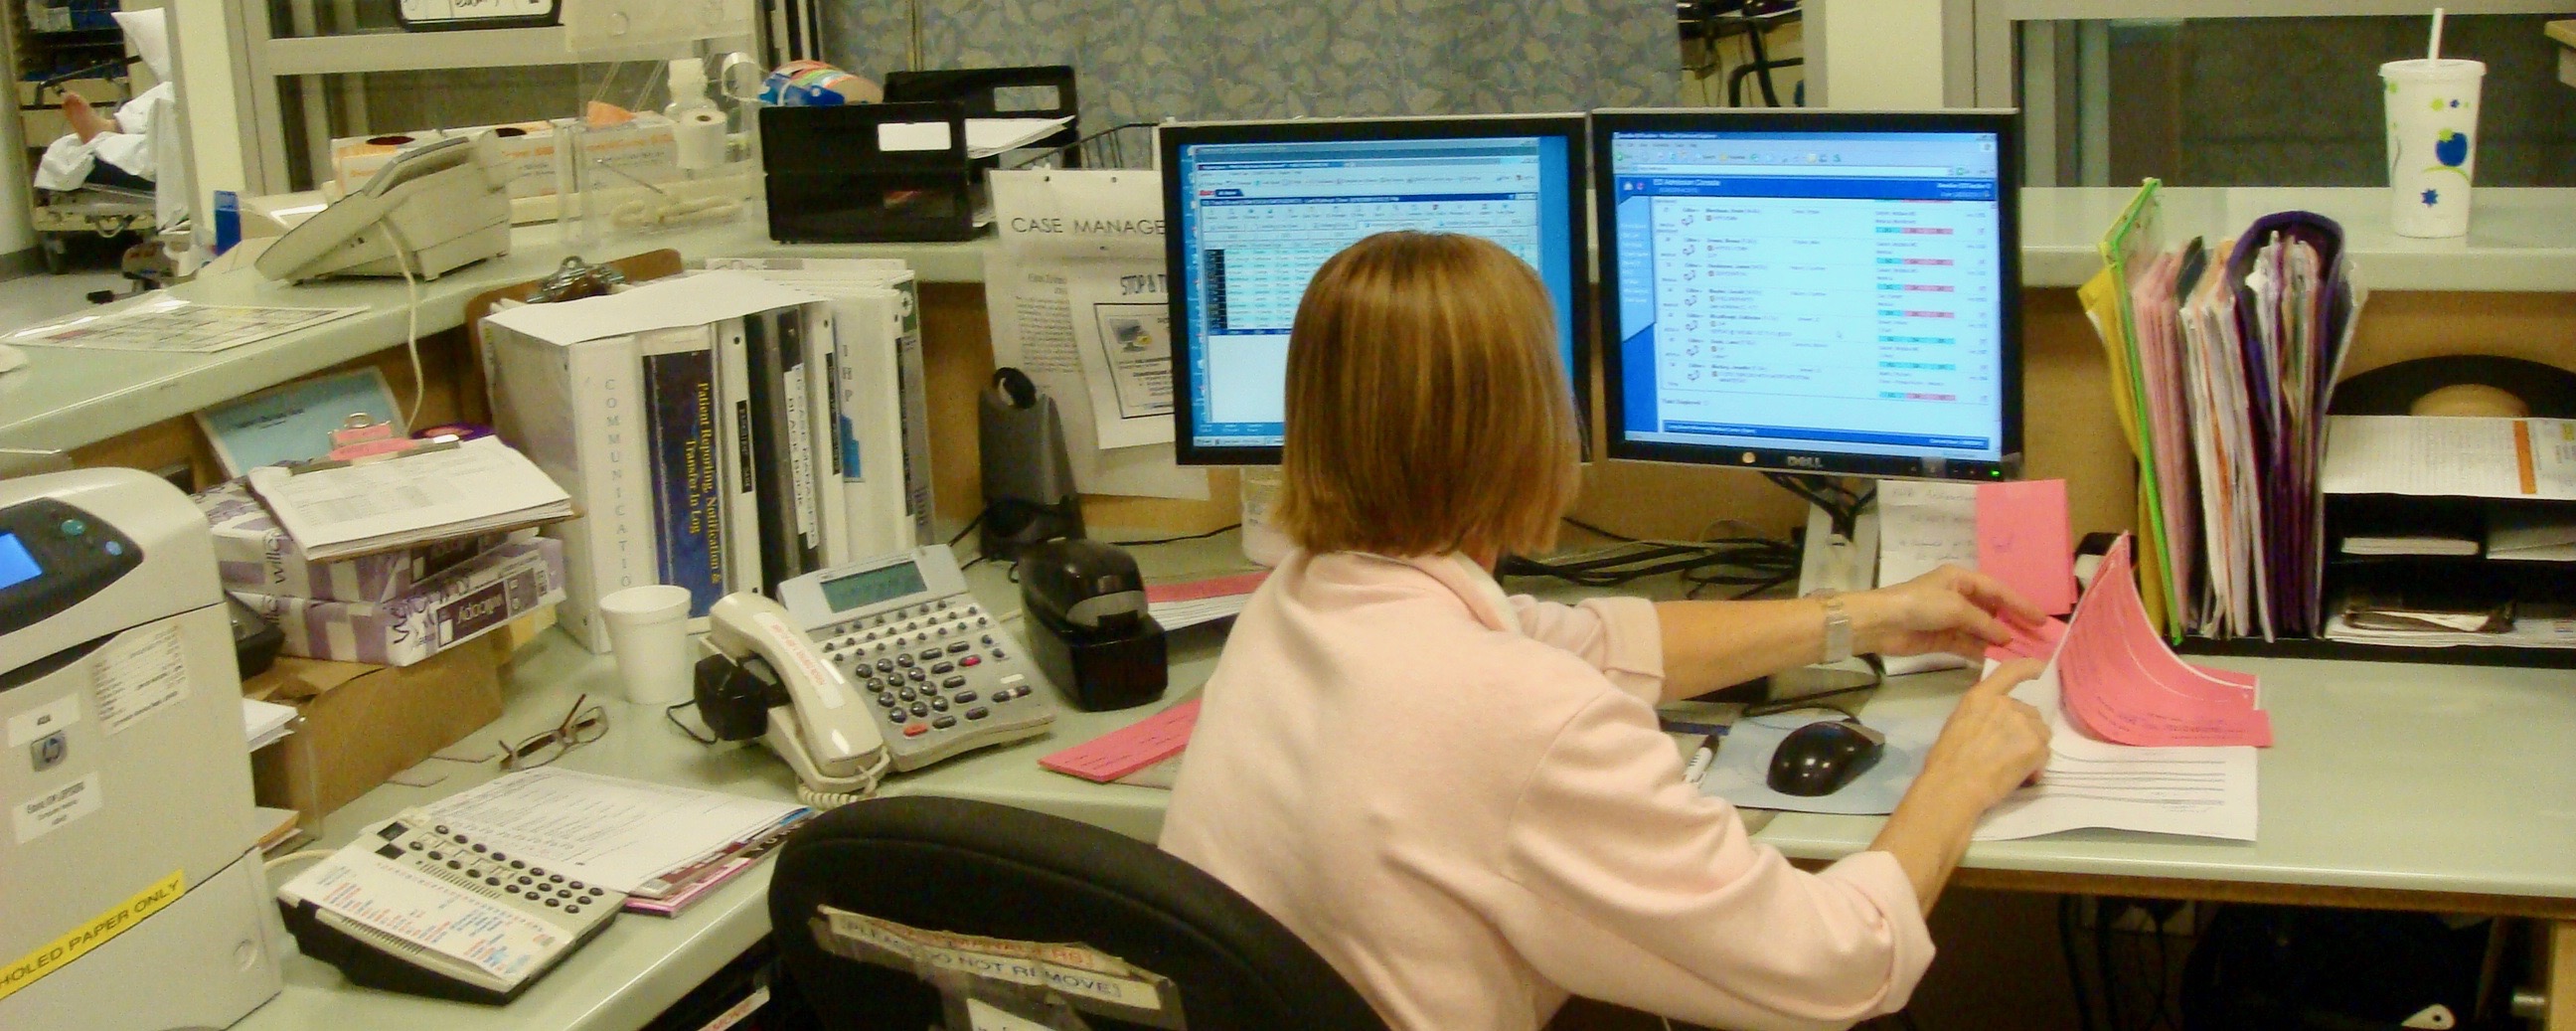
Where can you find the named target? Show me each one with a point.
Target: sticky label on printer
(139, 674)
(92, 933)
(49, 812)
(44, 720)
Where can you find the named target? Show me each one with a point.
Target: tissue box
(463, 603)
(254, 555)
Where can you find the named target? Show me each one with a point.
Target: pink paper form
(2119, 682)
(1121, 752)
(2022, 540)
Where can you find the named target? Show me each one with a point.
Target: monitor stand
(1843, 564)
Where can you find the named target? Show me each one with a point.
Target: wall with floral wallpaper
(1145, 60)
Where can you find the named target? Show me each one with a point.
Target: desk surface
(69, 397)
(2391, 779)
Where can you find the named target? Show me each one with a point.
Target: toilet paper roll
(700, 135)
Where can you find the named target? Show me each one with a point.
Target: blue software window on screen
(1811, 291)
(1257, 220)
(16, 565)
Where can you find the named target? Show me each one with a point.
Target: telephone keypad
(924, 662)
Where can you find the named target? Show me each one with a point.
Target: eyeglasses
(579, 727)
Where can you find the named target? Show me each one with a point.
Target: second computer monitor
(1826, 292)
(1256, 207)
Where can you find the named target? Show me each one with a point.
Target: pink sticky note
(2022, 540)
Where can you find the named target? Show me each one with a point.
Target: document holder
(831, 177)
(1034, 91)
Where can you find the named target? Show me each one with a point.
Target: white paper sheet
(2200, 792)
(162, 323)
(2454, 456)
(1123, 330)
(478, 485)
(1922, 526)
(1099, 234)
(618, 833)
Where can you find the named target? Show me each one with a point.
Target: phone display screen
(16, 565)
(884, 583)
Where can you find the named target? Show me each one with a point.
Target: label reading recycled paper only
(1091, 980)
(139, 674)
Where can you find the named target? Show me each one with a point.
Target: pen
(1698, 767)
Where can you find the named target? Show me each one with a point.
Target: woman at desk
(1461, 799)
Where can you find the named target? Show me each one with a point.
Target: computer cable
(1176, 540)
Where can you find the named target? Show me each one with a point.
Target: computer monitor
(1812, 292)
(1256, 207)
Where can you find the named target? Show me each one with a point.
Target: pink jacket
(1463, 802)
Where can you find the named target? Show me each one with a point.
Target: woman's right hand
(1993, 743)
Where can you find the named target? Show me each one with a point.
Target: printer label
(139, 674)
(92, 933)
(48, 812)
(44, 720)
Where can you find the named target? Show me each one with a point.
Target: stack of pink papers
(2118, 682)
(1128, 749)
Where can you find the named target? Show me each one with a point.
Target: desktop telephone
(415, 906)
(886, 663)
(434, 207)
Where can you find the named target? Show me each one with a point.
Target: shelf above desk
(2518, 237)
(70, 397)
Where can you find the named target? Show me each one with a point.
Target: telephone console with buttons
(418, 907)
(940, 674)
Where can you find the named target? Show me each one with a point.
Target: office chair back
(995, 871)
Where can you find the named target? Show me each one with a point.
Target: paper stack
(663, 846)
(2139, 739)
(479, 486)
(2223, 361)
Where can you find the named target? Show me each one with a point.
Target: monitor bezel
(2005, 124)
(1170, 138)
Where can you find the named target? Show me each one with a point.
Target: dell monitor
(1256, 208)
(1812, 292)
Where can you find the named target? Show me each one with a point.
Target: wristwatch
(1838, 626)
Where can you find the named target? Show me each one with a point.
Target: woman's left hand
(1950, 609)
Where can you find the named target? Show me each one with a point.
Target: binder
(781, 450)
(741, 488)
(679, 408)
(823, 410)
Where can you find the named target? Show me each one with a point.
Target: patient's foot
(87, 123)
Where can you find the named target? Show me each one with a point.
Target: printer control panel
(52, 555)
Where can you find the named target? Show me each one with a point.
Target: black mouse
(1819, 758)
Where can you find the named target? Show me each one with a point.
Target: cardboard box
(467, 601)
(363, 724)
(252, 553)
(642, 148)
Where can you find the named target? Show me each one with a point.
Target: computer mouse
(1819, 758)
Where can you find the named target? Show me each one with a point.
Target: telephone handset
(799, 704)
(910, 671)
